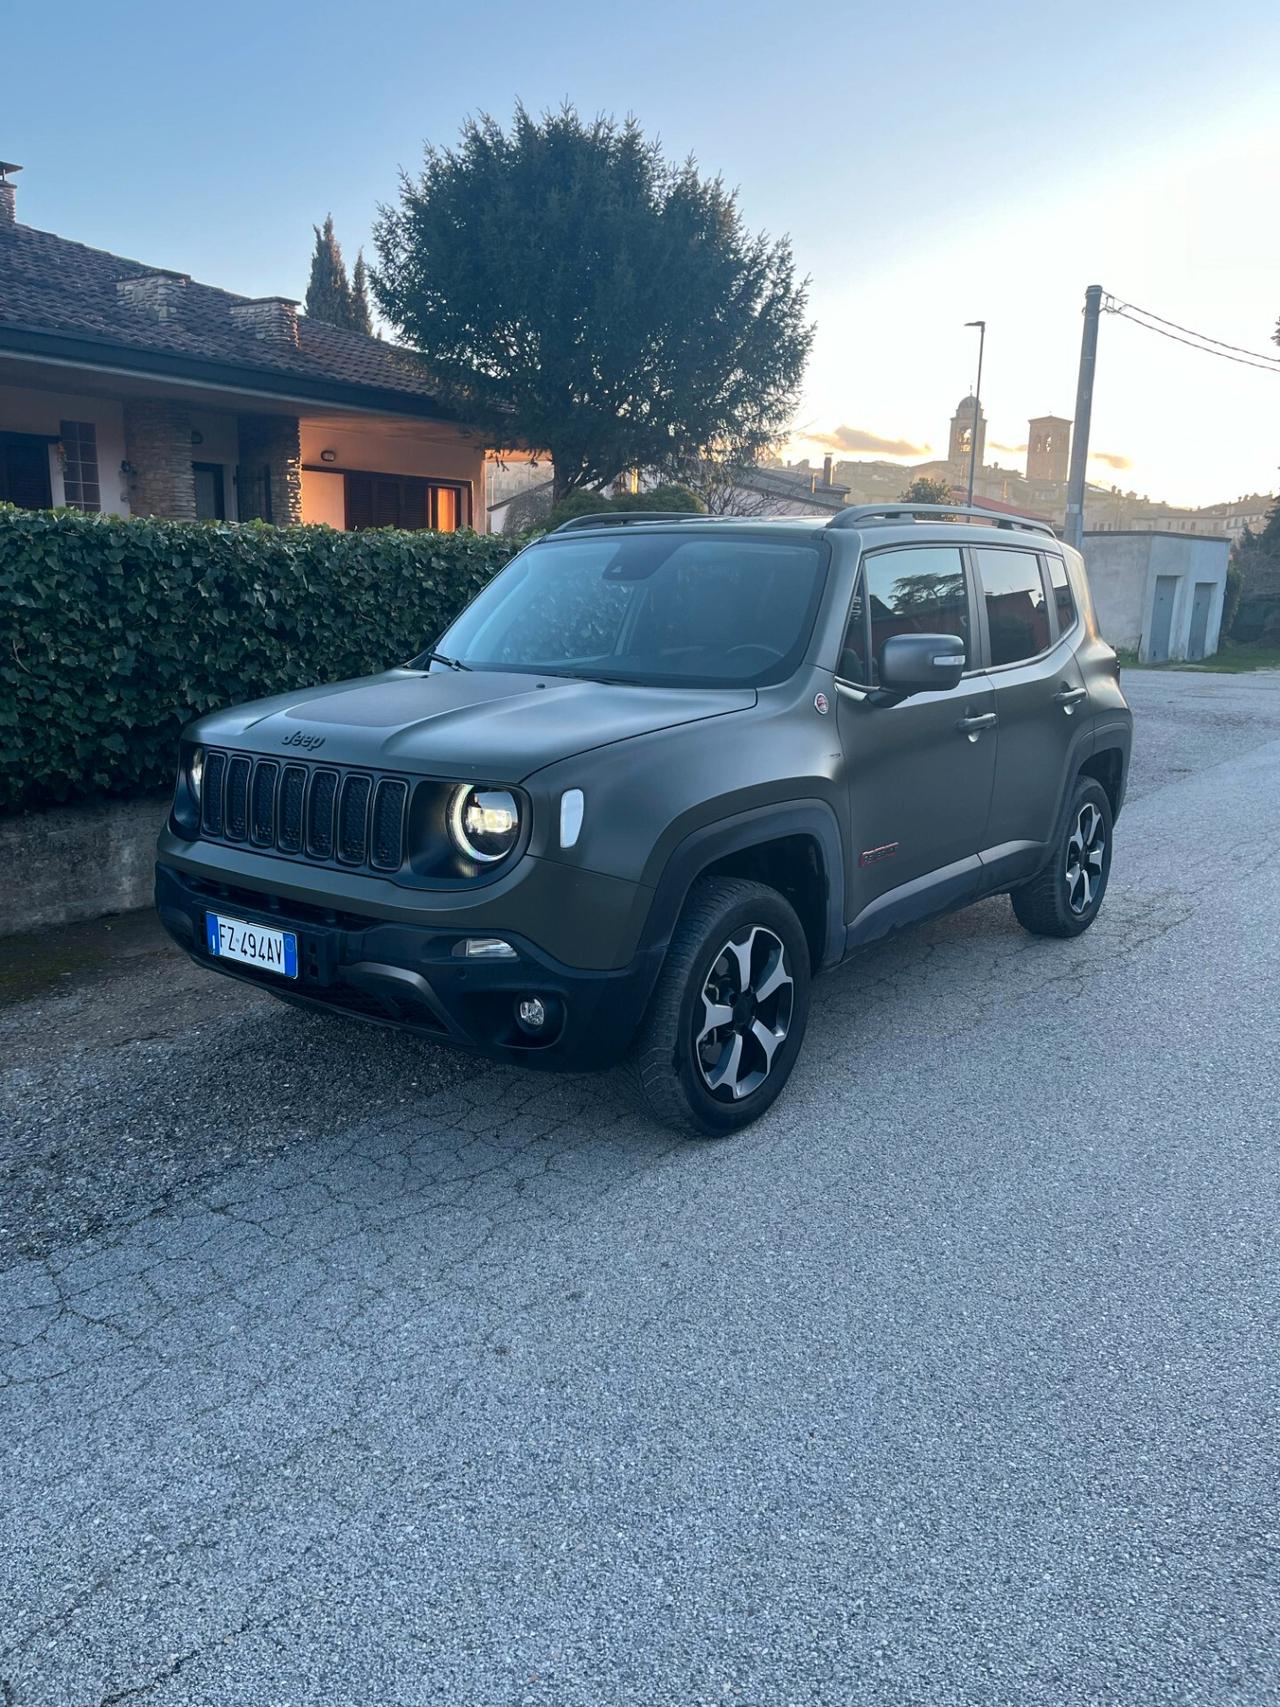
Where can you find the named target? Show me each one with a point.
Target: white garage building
(1158, 594)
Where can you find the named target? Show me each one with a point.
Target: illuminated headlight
(195, 772)
(484, 823)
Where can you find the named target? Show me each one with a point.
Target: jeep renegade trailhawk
(661, 771)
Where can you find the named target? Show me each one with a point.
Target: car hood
(480, 724)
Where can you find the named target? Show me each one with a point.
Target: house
(136, 390)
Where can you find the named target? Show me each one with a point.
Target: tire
(728, 923)
(1063, 899)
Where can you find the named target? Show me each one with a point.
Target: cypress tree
(361, 320)
(328, 292)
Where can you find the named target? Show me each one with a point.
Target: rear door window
(1017, 609)
(1063, 597)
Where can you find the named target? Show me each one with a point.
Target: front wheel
(727, 1017)
(1064, 898)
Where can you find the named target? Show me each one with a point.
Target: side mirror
(921, 663)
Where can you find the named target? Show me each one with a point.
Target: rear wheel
(727, 1017)
(1064, 898)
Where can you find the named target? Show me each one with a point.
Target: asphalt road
(340, 1370)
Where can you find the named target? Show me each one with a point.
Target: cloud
(1112, 458)
(859, 439)
(1014, 450)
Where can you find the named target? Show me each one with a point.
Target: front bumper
(407, 975)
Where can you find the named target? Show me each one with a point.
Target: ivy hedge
(116, 632)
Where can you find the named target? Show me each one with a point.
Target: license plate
(252, 945)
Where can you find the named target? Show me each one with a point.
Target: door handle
(1068, 697)
(973, 726)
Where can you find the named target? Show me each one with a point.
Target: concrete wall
(1124, 568)
(26, 410)
(77, 862)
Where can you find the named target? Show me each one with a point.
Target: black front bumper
(409, 976)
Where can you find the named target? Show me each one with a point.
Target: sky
(931, 165)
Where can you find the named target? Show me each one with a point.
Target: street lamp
(977, 405)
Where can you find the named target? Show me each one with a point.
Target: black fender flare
(703, 847)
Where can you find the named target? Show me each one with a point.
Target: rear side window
(1063, 597)
(917, 591)
(1017, 611)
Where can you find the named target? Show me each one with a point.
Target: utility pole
(1084, 408)
(977, 406)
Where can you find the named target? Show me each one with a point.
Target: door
(919, 772)
(24, 471)
(1161, 618)
(211, 504)
(1041, 703)
(1201, 600)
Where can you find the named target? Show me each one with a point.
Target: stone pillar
(269, 479)
(157, 441)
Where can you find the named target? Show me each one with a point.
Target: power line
(1193, 340)
(1114, 305)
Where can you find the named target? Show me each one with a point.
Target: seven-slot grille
(311, 811)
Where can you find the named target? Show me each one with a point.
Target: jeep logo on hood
(298, 739)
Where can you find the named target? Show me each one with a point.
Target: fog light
(531, 1012)
(484, 948)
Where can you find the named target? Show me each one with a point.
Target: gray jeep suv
(661, 772)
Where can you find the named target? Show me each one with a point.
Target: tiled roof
(50, 284)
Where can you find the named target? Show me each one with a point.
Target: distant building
(1049, 449)
(1227, 520)
(967, 422)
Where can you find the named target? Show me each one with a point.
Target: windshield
(704, 611)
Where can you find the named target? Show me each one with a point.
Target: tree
(924, 490)
(1255, 609)
(328, 292)
(668, 497)
(361, 319)
(570, 289)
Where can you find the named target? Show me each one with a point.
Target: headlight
(484, 823)
(195, 772)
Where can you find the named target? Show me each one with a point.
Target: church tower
(968, 415)
(1048, 448)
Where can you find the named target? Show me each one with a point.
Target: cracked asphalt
(341, 1370)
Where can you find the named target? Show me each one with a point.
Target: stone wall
(269, 486)
(157, 443)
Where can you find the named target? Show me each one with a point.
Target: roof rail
(880, 515)
(621, 518)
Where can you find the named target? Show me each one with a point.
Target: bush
(596, 503)
(118, 632)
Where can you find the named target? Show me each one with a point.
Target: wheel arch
(794, 847)
(1106, 765)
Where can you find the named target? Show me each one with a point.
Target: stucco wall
(430, 450)
(1124, 568)
(25, 410)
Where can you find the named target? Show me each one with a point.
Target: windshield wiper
(439, 658)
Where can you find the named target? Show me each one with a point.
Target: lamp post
(977, 406)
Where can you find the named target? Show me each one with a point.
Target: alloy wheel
(745, 1013)
(1086, 851)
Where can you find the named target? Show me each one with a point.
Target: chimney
(827, 470)
(157, 295)
(274, 319)
(8, 194)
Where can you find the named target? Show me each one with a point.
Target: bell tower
(967, 419)
(1048, 448)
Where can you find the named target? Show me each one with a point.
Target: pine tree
(361, 320)
(328, 292)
